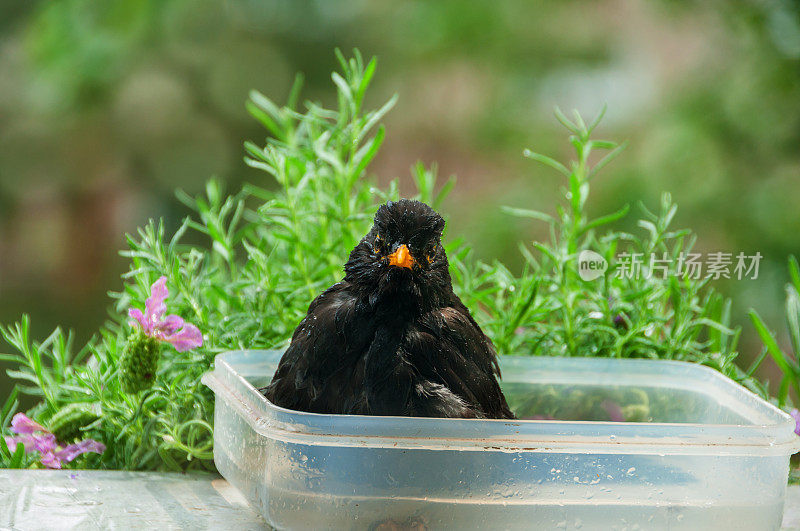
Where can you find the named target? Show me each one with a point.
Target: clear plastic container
(697, 451)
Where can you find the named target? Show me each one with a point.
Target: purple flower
(614, 411)
(22, 424)
(170, 329)
(539, 417)
(35, 438)
(33, 442)
(796, 416)
(70, 452)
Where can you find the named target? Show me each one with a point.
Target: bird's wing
(312, 365)
(449, 348)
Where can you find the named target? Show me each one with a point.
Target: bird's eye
(429, 257)
(378, 244)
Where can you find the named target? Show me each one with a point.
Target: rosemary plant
(548, 309)
(270, 248)
(789, 364)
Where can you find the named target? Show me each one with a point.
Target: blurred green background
(107, 107)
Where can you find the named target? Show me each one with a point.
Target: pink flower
(35, 438)
(539, 417)
(22, 424)
(170, 329)
(54, 459)
(33, 442)
(613, 410)
(796, 416)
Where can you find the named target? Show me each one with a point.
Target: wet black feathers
(390, 340)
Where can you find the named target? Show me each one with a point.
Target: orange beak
(401, 257)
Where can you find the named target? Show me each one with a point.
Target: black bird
(392, 338)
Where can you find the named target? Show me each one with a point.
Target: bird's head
(401, 260)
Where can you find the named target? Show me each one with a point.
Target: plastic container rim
(505, 435)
